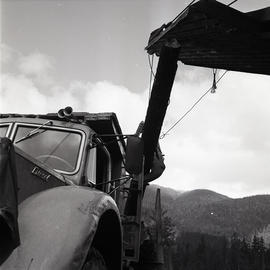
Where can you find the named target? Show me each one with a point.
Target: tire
(94, 261)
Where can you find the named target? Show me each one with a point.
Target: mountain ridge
(206, 211)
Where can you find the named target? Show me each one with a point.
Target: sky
(90, 55)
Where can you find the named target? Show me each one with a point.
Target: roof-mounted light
(65, 113)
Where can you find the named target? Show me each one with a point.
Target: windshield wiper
(34, 132)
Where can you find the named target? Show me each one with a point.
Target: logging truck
(71, 184)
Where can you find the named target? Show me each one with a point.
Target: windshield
(57, 148)
(3, 131)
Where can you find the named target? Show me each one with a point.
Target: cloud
(32, 90)
(35, 64)
(17, 92)
(39, 68)
(6, 53)
(223, 144)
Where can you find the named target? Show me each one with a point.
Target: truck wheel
(94, 261)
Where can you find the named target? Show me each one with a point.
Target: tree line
(200, 251)
(197, 251)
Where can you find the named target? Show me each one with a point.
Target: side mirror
(134, 155)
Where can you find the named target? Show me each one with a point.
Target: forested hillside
(204, 230)
(210, 212)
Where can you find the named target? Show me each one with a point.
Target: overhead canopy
(211, 34)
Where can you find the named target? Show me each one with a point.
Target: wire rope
(191, 108)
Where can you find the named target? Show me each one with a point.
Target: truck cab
(68, 151)
(70, 166)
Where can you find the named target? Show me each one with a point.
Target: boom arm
(158, 102)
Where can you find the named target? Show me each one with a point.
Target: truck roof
(105, 123)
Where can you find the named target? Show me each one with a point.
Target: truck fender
(58, 226)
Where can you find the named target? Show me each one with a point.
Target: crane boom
(158, 102)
